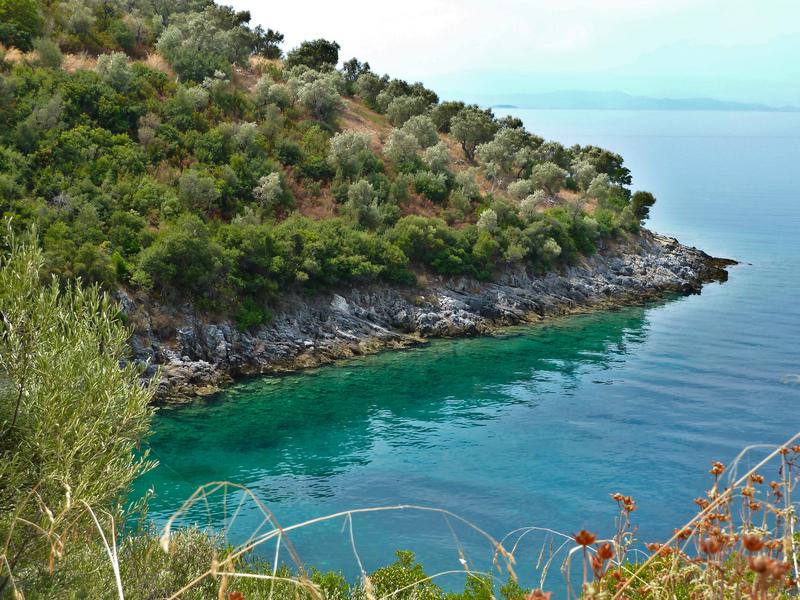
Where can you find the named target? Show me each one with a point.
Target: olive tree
(487, 221)
(437, 157)
(599, 188)
(347, 150)
(401, 148)
(422, 128)
(362, 204)
(268, 192)
(548, 176)
(402, 108)
(73, 409)
(321, 98)
(471, 127)
(114, 70)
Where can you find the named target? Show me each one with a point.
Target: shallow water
(539, 425)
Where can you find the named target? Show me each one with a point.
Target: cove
(538, 425)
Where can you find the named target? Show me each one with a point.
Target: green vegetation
(165, 147)
(70, 416)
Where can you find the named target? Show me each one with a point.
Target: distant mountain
(622, 101)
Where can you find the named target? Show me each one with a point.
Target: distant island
(587, 100)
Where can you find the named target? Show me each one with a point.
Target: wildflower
(617, 497)
(783, 451)
(748, 492)
(756, 478)
(605, 551)
(683, 534)
(758, 564)
(584, 538)
(710, 545)
(539, 595)
(752, 542)
(778, 569)
(236, 595)
(717, 469)
(701, 502)
(755, 506)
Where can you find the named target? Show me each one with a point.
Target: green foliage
(471, 127)
(183, 259)
(48, 53)
(71, 411)
(402, 108)
(20, 23)
(315, 54)
(641, 203)
(431, 185)
(183, 186)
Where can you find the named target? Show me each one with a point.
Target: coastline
(200, 354)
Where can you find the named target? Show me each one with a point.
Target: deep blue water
(538, 426)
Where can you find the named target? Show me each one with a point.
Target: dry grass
(79, 62)
(730, 549)
(155, 61)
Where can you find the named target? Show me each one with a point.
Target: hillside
(175, 151)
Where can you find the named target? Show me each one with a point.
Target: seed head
(584, 538)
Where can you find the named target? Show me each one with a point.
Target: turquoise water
(539, 425)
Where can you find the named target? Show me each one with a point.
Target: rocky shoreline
(198, 354)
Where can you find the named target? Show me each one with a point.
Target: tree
(487, 221)
(347, 150)
(548, 176)
(401, 148)
(72, 411)
(198, 191)
(422, 128)
(115, 70)
(267, 43)
(520, 189)
(48, 53)
(368, 86)
(437, 157)
(362, 205)
(511, 150)
(402, 108)
(197, 44)
(641, 203)
(183, 259)
(442, 114)
(321, 98)
(472, 126)
(352, 70)
(599, 188)
(315, 54)
(584, 173)
(20, 22)
(268, 192)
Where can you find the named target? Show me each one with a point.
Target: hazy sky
(729, 49)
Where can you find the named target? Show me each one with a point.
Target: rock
(199, 355)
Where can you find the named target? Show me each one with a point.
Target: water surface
(539, 425)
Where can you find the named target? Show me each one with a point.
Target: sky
(742, 50)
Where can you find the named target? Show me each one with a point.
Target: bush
(48, 53)
(431, 185)
(72, 410)
(183, 259)
(315, 54)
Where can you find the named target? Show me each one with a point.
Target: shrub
(431, 185)
(402, 108)
(401, 149)
(48, 53)
(315, 54)
(72, 411)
